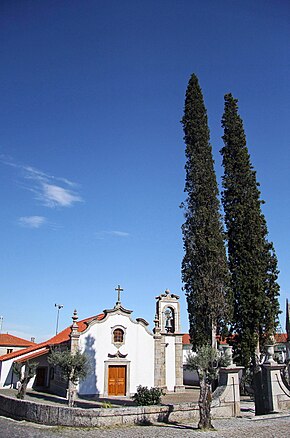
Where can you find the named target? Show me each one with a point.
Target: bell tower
(168, 343)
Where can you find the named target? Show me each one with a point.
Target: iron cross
(119, 289)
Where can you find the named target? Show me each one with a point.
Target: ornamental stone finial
(75, 318)
(75, 334)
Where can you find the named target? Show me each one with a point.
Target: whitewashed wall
(96, 342)
(190, 377)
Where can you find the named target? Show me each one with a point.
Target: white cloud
(119, 233)
(54, 196)
(51, 191)
(103, 234)
(32, 221)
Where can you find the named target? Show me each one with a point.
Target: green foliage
(29, 369)
(24, 376)
(252, 259)
(204, 267)
(146, 397)
(74, 367)
(207, 361)
(17, 369)
(106, 405)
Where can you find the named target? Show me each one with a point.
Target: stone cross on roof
(119, 290)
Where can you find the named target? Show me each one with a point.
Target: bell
(168, 324)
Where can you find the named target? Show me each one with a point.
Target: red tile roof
(60, 338)
(186, 339)
(279, 338)
(8, 340)
(33, 355)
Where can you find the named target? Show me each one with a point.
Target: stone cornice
(118, 309)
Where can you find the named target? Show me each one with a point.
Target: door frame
(43, 369)
(118, 362)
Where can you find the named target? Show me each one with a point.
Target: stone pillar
(163, 346)
(75, 335)
(74, 347)
(276, 396)
(159, 356)
(167, 324)
(227, 394)
(273, 394)
(179, 387)
(288, 356)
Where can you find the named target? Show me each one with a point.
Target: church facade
(122, 352)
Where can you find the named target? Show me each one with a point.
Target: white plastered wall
(138, 347)
(6, 373)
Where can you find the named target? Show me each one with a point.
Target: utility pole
(59, 306)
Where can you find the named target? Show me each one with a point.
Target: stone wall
(77, 417)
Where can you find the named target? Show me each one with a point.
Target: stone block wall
(77, 417)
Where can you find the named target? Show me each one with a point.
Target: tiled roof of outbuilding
(185, 339)
(13, 341)
(60, 338)
(280, 338)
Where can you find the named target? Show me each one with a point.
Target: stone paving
(247, 425)
(271, 427)
(190, 395)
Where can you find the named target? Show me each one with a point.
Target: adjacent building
(10, 343)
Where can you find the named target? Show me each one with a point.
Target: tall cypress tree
(252, 259)
(204, 267)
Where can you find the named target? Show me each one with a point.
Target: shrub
(146, 397)
(106, 405)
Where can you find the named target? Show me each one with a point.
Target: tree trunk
(257, 353)
(71, 390)
(22, 389)
(204, 405)
(213, 336)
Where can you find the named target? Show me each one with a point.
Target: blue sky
(92, 152)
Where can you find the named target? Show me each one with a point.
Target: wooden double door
(40, 378)
(117, 380)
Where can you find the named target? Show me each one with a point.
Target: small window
(118, 336)
(9, 350)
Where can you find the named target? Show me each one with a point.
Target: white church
(123, 352)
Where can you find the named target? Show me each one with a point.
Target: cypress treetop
(252, 259)
(204, 266)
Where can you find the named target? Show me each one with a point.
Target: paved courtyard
(190, 395)
(271, 427)
(247, 425)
